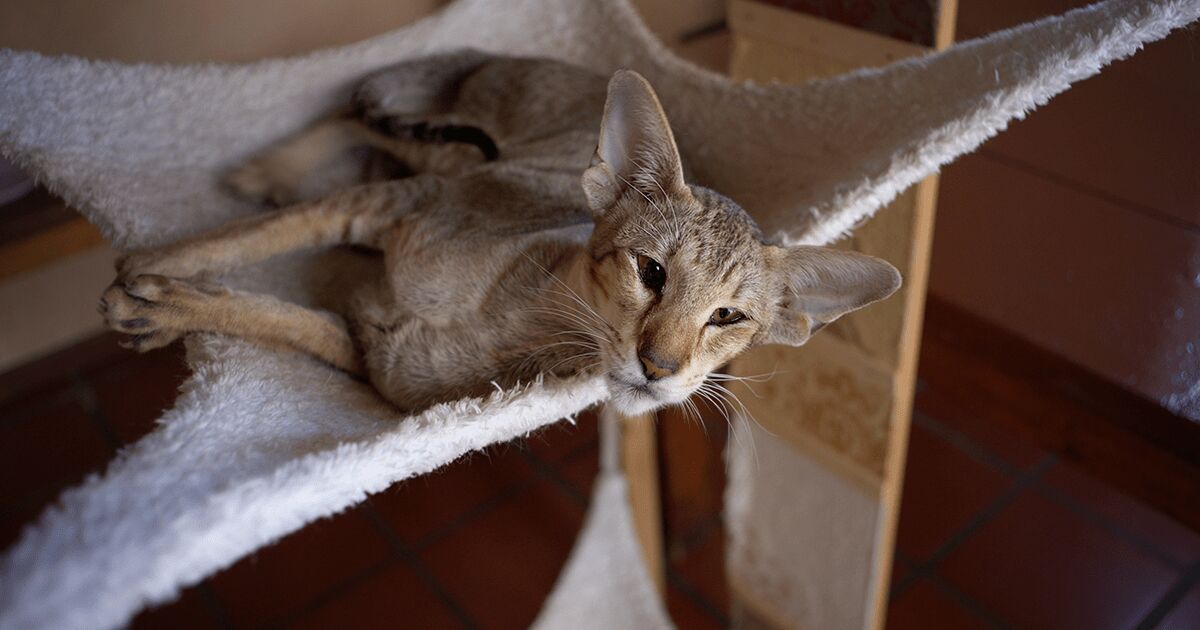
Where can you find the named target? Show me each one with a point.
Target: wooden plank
(639, 459)
(47, 246)
(846, 398)
(806, 47)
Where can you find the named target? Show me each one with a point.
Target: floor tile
(1040, 565)
(692, 469)
(419, 508)
(1157, 530)
(986, 394)
(900, 570)
(703, 567)
(562, 439)
(279, 579)
(394, 597)
(502, 566)
(581, 471)
(1185, 615)
(686, 613)
(1018, 451)
(185, 613)
(943, 489)
(134, 392)
(49, 450)
(38, 378)
(15, 519)
(923, 606)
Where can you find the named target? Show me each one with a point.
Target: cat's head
(682, 274)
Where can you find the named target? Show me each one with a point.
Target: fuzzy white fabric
(605, 583)
(260, 444)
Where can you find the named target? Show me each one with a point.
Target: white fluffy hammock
(260, 443)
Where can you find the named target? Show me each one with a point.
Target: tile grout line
(579, 451)
(330, 594)
(410, 558)
(964, 443)
(40, 405)
(549, 473)
(85, 395)
(80, 392)
(677, 581)
(973, 449)
(966, 601)
(704, 530)
(699, 535)
(1171, 598)
(928, 567)
(478, 511)
(1116, 531)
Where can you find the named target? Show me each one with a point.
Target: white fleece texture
(261, 443)
(605, 583)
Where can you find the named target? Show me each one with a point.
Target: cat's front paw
(153, 310)
(138, 263)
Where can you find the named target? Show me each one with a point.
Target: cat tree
(260, 443)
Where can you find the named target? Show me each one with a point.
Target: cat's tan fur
(500, 269)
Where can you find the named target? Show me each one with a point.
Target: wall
(236, 30)
(1079, 228)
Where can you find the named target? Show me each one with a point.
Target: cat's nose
(654, 367)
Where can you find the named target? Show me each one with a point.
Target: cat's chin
(632, 400)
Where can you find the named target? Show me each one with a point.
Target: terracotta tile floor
(993, 532)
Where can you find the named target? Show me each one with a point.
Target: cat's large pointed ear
(636, 145)
(820, 285)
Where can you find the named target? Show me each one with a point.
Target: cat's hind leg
(156, 310)
(353, 217)
(328, 156)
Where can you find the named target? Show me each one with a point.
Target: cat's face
(686, 286)
(681, 275)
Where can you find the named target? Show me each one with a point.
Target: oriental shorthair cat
(533, 217)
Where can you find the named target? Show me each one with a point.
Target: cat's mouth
(632, 398)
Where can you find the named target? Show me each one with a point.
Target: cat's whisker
(715, 402)
(756, 378)
(575, 296)
(690, 412)
(745, 414)
(573, 358)
(563, 310)
(574, 317)
(699, 416)
(590, 312)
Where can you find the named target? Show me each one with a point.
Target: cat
(544, 226)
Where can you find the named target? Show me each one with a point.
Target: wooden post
(845, 400)
(639, 459)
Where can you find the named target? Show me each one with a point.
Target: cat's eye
(726, 316)
(652, 274)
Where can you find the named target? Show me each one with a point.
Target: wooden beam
(639, 459)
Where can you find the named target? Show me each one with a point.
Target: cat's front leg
(156, 310)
